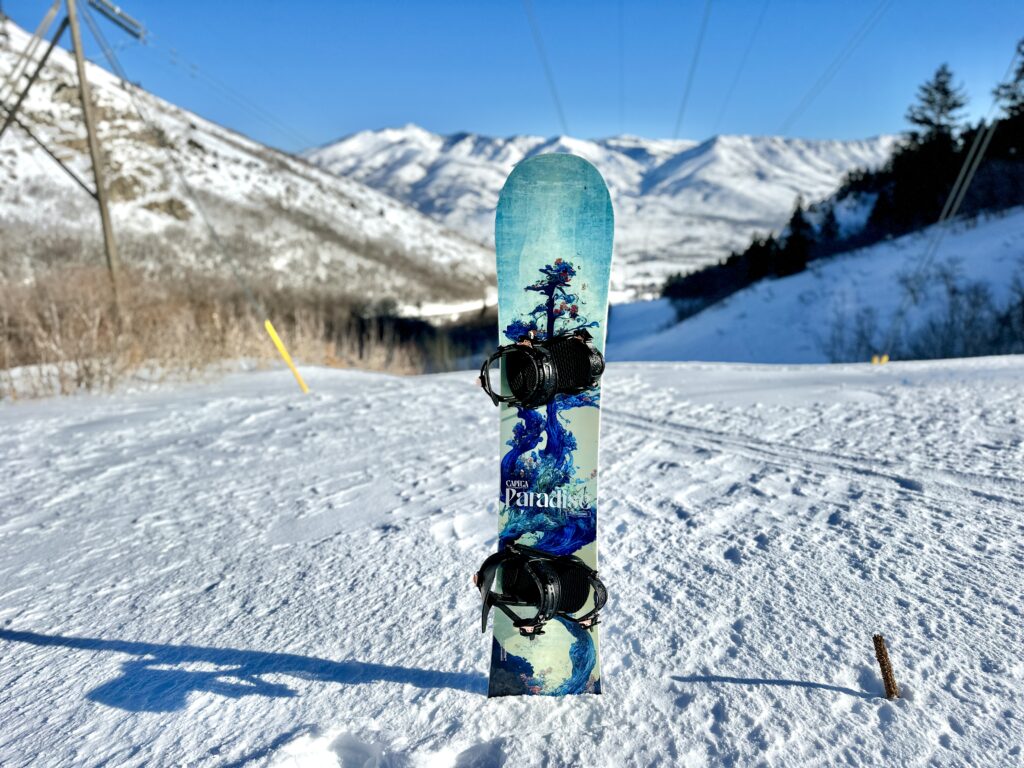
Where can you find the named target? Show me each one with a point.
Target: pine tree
(762, 257)
(937, 113)
(1011, 93)
(797, 250)
(829, 231)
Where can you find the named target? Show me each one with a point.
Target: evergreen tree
(829, 231)
(797, 250)
(1011, 93)
(762, 257)
(937, 112)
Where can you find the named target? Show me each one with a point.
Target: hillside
(281, 220)
(233, 574)
(815, 316)
(678, 204)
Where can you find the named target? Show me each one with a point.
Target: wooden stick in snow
(882, 654)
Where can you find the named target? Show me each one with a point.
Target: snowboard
(553, 237)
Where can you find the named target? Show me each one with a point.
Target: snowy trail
(216, 574)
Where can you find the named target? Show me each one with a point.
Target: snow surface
(679, 204)
(232, 574)
(793, 319)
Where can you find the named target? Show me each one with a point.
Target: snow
(230, 573)
(679, 204)
(450, 311)
(632, 321)
(793, 319)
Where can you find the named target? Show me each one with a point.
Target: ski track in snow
(216, 574)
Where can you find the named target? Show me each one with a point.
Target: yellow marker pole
(284, 354)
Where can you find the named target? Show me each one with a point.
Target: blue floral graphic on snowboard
(538, 473)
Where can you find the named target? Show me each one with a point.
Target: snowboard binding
(556, 585)
(538, 369)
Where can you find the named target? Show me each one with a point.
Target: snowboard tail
(553, 236)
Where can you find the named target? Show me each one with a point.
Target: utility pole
(132, 27)
(109, 244)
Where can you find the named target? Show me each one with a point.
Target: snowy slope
(280, 219)
(234, 574)
(796, 319)
(678, 204)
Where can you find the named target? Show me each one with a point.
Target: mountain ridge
(680, 203)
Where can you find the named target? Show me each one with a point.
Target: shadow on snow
(154, 682)
(764, 681)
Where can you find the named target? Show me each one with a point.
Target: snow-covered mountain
(816, 315)
(678, 204)
(279, 218)
(234, 574)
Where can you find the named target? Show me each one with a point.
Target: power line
(693, 69)
(622, 69)
(176, 163)
(194, 70)
(741, 67)
(539, 42)
(837, 63)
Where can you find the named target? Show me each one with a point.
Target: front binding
(539, 369)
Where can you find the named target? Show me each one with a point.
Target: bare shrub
(59, 333)
(856, 339)
(963, 327)
(965, 322)
(1010, 322)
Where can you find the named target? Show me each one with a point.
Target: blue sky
(325, 69)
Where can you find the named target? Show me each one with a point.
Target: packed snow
(809, 317)
(230, 573)
(679, 204)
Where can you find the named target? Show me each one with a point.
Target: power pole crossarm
(114, 14)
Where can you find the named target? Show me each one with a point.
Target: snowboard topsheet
(553, 236)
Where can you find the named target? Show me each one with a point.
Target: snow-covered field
(233, 574)
(799, 319)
